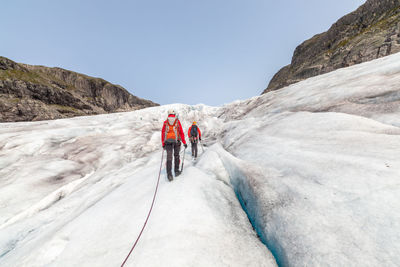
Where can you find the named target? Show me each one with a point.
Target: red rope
(148, 215)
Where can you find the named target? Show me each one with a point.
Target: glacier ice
(315, 167)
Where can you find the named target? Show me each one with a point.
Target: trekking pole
(183, 161)
(202, 148)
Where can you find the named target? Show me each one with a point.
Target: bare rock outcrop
(30, 93)
(370, 32)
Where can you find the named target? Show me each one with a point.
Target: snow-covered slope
(76, 192)
(316, 167)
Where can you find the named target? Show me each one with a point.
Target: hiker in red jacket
(194, 135)
(171, 137)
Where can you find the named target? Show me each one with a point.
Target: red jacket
(181, 135)
(198, 131)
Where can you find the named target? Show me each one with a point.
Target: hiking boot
(170, 177)
(177, 173)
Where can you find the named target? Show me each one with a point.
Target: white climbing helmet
(171, 111)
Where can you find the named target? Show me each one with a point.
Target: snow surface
(314, 168)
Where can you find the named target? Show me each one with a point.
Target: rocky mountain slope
(370, 32)
(30, 93)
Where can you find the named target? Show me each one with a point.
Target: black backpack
(193, 131)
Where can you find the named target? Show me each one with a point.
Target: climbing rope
(148, 215)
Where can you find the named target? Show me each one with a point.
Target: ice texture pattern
(308, 175)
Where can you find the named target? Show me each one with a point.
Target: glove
(199, 138)
(163, 146)
(185, 145)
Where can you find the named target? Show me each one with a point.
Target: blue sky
(168, 51)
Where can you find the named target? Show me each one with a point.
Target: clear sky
(168, 51)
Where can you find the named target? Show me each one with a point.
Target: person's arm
(198, 129)
(181, 133)
(190, 128)
(163, 135)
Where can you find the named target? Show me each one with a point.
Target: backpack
(193, 131)
(171, 131)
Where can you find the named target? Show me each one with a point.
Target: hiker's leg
(177, 149)
(195, 150)
(169, 148)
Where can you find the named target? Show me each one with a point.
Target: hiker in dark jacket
(171, 137)
(194, 135)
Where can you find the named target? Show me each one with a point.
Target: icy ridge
(244, 179)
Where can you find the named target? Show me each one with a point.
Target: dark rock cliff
(370, 32)
(30, 93)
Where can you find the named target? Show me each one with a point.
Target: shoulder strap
(167, 121)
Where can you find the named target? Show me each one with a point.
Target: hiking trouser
(194, 149)
(173, 148)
